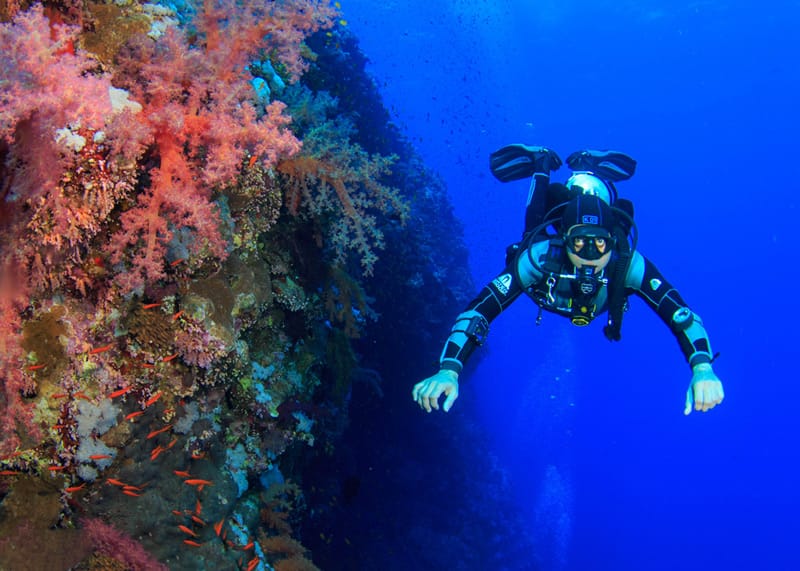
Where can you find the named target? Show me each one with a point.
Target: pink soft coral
(44, 82)
(198, 105)
(45, 87)
(48, 95)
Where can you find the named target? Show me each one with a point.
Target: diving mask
(588, 243)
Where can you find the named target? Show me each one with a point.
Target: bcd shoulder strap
(616, 287)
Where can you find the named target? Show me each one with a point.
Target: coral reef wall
(214, 244)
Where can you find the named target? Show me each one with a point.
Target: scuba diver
(578, 259)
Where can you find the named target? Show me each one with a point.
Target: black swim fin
(613, 166)
(517, 161)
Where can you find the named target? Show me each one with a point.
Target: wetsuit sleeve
(646, 281)
(472, 325)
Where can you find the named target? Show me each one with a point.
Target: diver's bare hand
(706, 390)
(427, 393)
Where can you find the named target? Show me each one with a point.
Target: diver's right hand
(427, 393)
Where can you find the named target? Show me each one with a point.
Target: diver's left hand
(706, 391)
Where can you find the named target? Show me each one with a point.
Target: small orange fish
(150, 305)
(156, 452)
(153, 399)
(192, 543)
(35, 367)
(198, 482)
(131, 493)
(75, 488)
(148, 365)
(81, 395)
(198, 455)
(157, 432)
(197, 520)
(56, 468)
(218, 526)
(198, 507)
(248, 546)
(182, 473)
(120, 392)
(169, 358)
(187, 530)
(9, 473)
(59, 396)
(177, 513)
(133, 415)
(172, 442)
(100, 456)
(102, 349)
(252, 161)
(253, 563)
(177, 262)
(177, 315)
(114, 482)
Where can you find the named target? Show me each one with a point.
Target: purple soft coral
(111, 542)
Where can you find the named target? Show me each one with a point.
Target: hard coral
(112, 25)
(29, 535)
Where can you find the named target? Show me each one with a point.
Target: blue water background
(607, 470)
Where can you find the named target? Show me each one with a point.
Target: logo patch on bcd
(502, 283)
(655, 283)
(590, 219)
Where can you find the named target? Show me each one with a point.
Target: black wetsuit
(522, 275)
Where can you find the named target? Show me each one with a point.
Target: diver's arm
(468, 332)
(472, 326)
(648, 283)
(687, 327)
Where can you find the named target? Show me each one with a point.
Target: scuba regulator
(585, 285)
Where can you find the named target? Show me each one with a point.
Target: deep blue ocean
(605, 469)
